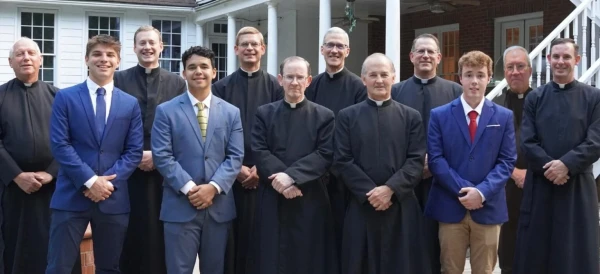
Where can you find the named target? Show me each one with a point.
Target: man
(96, 136)
(383, 224)
(144, 250)
(197, 146)
(560, 137)
(336, 89)
(471, 156)
(292, 144)
(247, 88)
(28, 168)
(425, 91)
(517, 69)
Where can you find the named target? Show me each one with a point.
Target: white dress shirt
(477, 109)
(190, 184)
(92, 88)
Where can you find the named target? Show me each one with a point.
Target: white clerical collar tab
(28, 84)
(293, 105)
(521, 95)
(148, 70)
(561, 86)
(424, 81)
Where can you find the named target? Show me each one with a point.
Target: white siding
(8, 35)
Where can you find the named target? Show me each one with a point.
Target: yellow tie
(202, 120)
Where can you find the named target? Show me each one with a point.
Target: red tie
(473, 124)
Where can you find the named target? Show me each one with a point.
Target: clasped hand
(472, 199)
(556, 172)
(201, 196)
(284, 184)
(101, 189)
(31, 182)
(381, 197)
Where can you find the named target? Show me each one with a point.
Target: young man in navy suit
(96, 136)
(471, 156)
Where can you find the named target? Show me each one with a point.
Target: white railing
(577, 22)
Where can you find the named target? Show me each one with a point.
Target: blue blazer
(454, 162)
(81, 155)
(180, 156)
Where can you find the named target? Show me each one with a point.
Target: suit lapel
(188, 110)
(486, 114)
(213, 118)
(86, 101)
(461, 119)
(114, 110)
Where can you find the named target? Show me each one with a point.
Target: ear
(280, 79)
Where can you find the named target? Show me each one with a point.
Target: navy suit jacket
(81, 155)
(181, 156)
(455, 162)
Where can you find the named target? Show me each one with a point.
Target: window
(220, 49)
(40, 27)
(170, 58)
(104, 25)
(219, 28)
(447, 35)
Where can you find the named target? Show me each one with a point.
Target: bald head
(25, 59)
(377, 58)
(378, 76)
(23, 41)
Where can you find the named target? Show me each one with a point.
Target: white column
(231, 32)
(392, 33)
(272, 43)
(199, 34)
(325, 24)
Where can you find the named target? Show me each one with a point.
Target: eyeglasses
(291, 78)
(246, 45)
(423, 51)
(517, 68)
(332, 45)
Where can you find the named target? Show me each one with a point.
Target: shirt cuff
(187, 187)
(91, 181)
(482, 197)
(216, 186)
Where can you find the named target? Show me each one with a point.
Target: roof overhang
(220, 8)
(105, 5)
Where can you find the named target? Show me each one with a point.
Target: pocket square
(496, 125)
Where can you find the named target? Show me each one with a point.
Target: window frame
(182, 41)
(55, 54)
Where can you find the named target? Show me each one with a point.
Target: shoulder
(350, 110)
(499, 108)
(267, 108)
(171, 103)
(321, 110)
(225, 105)
(72, 89)
(124, 96)
(122, 74)
(224, 81)
(446, 107)
(410, 112)
(4, 87)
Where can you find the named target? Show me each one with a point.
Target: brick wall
(87, 253)
(476, 24)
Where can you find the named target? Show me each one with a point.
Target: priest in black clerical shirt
(144, 248)
(425, 91)
(247, 88)
(292, 145)
(379, 154)
(336, 89)
(27, 168)
(517, 70)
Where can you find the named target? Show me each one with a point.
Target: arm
(162, 152)
(505, 163)
(585, 154)
(438, 165)
(52, 169)
(266, 163)
(10, 169)
(60, 144)
(530, 142)
(357, 181)
(234, 154)
(315, 164)
(132, 154)
(406, 179)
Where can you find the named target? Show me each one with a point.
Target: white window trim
(498, 28)
(184, 25)
(439, 30)
(56, 54)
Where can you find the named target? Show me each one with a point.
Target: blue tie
(100, 112)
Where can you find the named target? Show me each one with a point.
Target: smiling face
(563, 58)
(335, 49)
(25, 60)
(378, 76)
(199, 73)
(425, 57)
(148, 47)
(102, 61)
(249, 49)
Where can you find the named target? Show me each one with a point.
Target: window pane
(48, 61)
(222, 49)
(156, 24)
(166, 39)
(26, 18)
(104, 22)
(49, 20)
(165, 64)
(49, 33)
(176, 53)
(39, 42)
(92, 33)
(103, 31)
(114, 23)
(38, 19)
(215, 48)
(93, 22)
(176, 40)
(26, 31)
(223, 28)
(166, 52)
(166, 26)
(115, 34)
(174, 66)
(37, 33)
(216, 28)
(48, 75)
(176, 27)
(48, 47)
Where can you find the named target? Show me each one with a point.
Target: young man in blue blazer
(471, 156)
(96, 136)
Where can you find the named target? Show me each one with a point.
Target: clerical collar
(519, 95)
(295, 105)
(26, 85)
(148, 70)
(564, 86)
(377, 103)
(424, 81)
(331, 75)
(249, 73)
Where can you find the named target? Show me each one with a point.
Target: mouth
(148, 54)
(104, 67)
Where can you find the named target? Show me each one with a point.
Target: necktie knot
(101, 91)
(200, 106)
(473, 115)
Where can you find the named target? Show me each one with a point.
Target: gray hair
(513, 48)
(11, 51)
(363, 70)
(336, 30)
(426, 36)
(293, 59)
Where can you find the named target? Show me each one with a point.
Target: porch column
(392, 33)
(325, 24)
(231, 32)
(199, 34)
(272, 43)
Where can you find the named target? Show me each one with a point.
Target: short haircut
(363, 70)
(293, 59)
(146, 28)
(105, 40)
(475, 59)
(426, 36)
(249, 30)
(11, 51)
(336, 30)
(560, 41)
(516, 48)
(200, 51)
